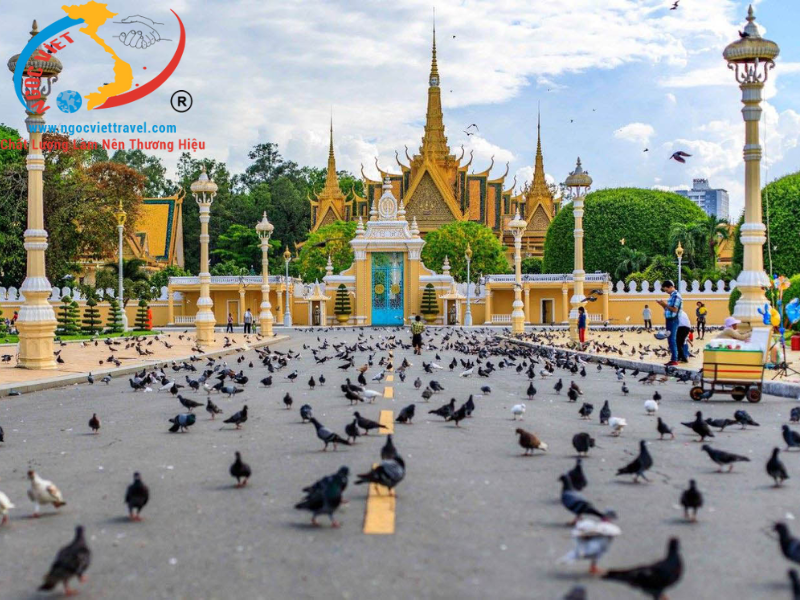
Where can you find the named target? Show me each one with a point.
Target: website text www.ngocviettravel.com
(183, 145)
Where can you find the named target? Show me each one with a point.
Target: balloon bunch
(791, 310)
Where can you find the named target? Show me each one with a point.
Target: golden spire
(538, 190)
(331, 196)
(331, 180)
(434, 142)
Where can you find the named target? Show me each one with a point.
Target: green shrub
(141, 316)
(67, 316)
(430, 306)
(531, 265)
(488, 255)
(91, 317)
(643, 218)
(342, 303)
(114, 322)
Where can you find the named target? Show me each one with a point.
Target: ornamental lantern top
(679, 251)
(468, 252)
(264, 228)
(517, 225)
(204, 186)
(120, 215)
(745, 55)
(287, 256)
(578, 178)
(49, 68)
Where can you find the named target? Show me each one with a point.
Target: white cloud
(638, 133)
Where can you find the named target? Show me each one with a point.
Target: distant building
(714, 202)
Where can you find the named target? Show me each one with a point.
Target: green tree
(114, 322)
(160, 278)
(451, 241)
(430, 305)
(141, 316)
(643, 218)
(91, 317)
(342, 304)
(11, 155)
(68, 315)
(660, 269)
(132, 269)
(239, 245)
(532, 265)
(630, 261)
(151, 167)
(229, 267)
(332, 239)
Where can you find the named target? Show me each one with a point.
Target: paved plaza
(473, 518)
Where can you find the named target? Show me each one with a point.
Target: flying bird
(679, 156)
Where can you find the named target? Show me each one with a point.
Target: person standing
(417, 327)
(582, 324)
(672, 310)
(248, 321)
(701, 312)
(684, 327)
(647, 315)
(229, 328)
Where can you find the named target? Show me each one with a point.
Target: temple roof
(159, 230)
(434, 142)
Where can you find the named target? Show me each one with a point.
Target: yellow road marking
(387, 419)
(389, 378)
(379, 518)
(388, 392)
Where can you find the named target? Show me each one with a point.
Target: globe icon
(69, 101)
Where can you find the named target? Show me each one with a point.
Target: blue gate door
(387, 288)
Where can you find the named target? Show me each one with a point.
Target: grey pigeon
(136, 497)
(639, 465)
(71, 561)
(328, 436)
(791, 437)
(238, 418)
(691, 500)
(776, 469)
(699, 426)
(790, 546)
(388, 473)
(744, 419)
(722, 458)
(324, 499)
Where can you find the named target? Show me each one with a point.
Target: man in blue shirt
(672, 310)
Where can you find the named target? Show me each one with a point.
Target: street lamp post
(751, 58)
(204, 191)
(517, 226)
(679, 254)
(468, 316)
(287, 314)
(121, 216)
(36, 321)
(265, 229)
(578, 182)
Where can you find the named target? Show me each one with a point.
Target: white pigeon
(467, 373)
(617, 425)
(436, 366)
(370, 395)
(378, 376)
(43, 492)
(651, 406)
(148, 389)
(592, 540)
(544, 373)
(166, 386)
(5, 506)
(518, 410)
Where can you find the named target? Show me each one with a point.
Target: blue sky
(630, 74)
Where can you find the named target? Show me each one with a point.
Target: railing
(595, 317)
(547, 278)
(501, 319)
(184, 320)
(227, 280)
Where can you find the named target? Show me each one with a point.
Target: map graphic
(69, 101)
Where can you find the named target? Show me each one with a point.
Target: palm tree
(718, 231)
(694, 239)
(131, 269)
(630, 261)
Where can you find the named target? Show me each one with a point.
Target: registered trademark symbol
(181, 101)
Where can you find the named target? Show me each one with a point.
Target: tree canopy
(641, 217)
(451, 241)
(333, 239)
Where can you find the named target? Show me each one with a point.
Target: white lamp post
(468, 316)
(287, 315)
(517, 226)
(578, 183)
(121, 216)
(265, 229)
(679, 254)
(751, 58)
(204, 191)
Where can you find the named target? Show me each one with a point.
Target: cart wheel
(738, 393)
(695, 393)
(753, 395)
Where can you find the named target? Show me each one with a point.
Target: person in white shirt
(647, 315)
(684, 327)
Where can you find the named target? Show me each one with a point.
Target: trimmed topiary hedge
(642, 217)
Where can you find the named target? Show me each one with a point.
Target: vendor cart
(735, 371)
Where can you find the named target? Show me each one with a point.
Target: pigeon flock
(467, 384)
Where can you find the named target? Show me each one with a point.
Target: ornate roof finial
(329, 267)
(433, 81)
(373, 212)
(35, 29)
(401, 212)
(360, 227)
(414, 228)
(446, 266)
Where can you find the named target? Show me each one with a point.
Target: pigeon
(582, 442)
(517, 411)
(90, 378)
(721, 424)
(327, 436)
(699, 426)
(182, 422)
(650, 407)
(592, 540)
(370, 395)
(529, 441)
(776, 469)
(43, 491)
(605, 413)
(744, 419)
(585, 411)
(231, 390)
(136, 497)
(558, 386)
(664, 429)
(311, 383)
(795, 581)
(458, 415)
(323, 499)
(572, 394)
(240, 471)
(2, 435)
(679, 156)
(267, 381)
(691, 500)
(469, 406)
(426, 394)
(388, 473)
(794, 415)
(656, 578)
(639, 465)
(444, 411)
(576, 475)
(212, 408)
(791, 437)
(351, 430)
(5, 506)
(406, 414)
(790, 546)
(577, 504)
(578, 592)
(288, 401)
(292, 376)
(306, 413)
(531, 391)
(618, 424)
(485, 389)
(722, 458)
(188, 403)
(94, 423)
(367, 424)
(71, 561)
(388, 452)
(238, 418)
